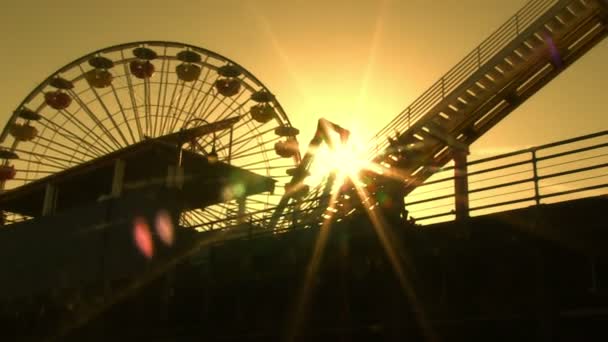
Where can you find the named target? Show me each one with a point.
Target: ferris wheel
(121, 95)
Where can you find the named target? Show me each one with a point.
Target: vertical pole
(229, 144)
(461, 184)
(118, 177)
(50, 196)
(535, 170)
(242, 207)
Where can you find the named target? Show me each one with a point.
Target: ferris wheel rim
(123, 46)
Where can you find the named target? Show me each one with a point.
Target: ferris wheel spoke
(171, 105)
(204, 215)
(240, 151)
(229, 110)
(56, 150)
(83, 128)
(202, 114)
(93, 117)
(249, 120)
(263, 161)
(123, 113)
(68, 137)
(163, 74)
(147, 118)
(42, 163)
(248, 130)
(253, 206)
(111, 118)
(44, 172)
(179, 109)
(199, 91)
(103, 106)
(207, 96)
(161, 108)
(185, 220)
(132, 96)
(97, 140)
(252, 154)
(241, 145)
(183, 107)
(215, 213)
(248, 139)
(200, 215)
(273, 167)
(169, 108)
(205, 114)
(58, 160)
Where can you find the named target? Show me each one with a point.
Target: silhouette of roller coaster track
(523, 55)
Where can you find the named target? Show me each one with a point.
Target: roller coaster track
(534, 46)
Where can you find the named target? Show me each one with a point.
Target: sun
(346, 159)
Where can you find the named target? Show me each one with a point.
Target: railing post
(50, 199)
(461, 184)
(535, 177)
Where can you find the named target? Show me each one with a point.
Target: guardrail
(569, 169)
(462, 71)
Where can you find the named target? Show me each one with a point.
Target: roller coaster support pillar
(461, 185)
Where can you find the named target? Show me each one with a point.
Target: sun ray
(265, 26)
(371, 59)
(306, 291)
(397, 257)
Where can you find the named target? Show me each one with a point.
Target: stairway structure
(523, 55)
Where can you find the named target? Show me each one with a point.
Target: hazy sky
(355, 62)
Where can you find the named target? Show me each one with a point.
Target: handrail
(563, 170)
(471, 63)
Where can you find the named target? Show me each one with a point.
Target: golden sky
(357, 63)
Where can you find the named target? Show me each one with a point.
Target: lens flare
(554, 52)
(164, 227)
(232, 191)
(346, 159)
(143, 237)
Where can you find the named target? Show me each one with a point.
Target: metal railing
(466, 68)
(569, 169)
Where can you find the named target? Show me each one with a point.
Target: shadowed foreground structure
(537, 273)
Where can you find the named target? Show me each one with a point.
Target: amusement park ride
(164, 181)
